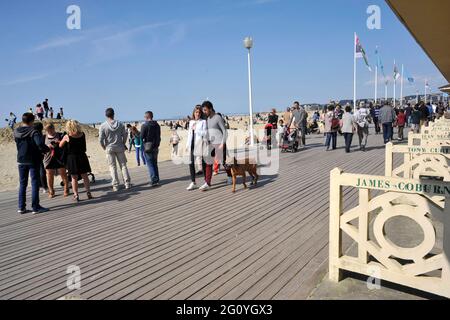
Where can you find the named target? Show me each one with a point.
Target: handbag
(148, 147)
(335, 124)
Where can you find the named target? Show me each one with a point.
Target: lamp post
(248, 44)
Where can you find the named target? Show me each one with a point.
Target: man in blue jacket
(30, 148)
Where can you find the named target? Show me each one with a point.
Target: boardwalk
(269, 242)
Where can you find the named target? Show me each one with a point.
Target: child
(401, 120)
(281, 132)
(174, 141)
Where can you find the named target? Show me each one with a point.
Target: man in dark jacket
(408, 112)
(151, 138)
(30, 147)
(424, 114)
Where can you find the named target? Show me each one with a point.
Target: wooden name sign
(426, 266)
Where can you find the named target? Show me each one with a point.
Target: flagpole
(395, 82)
(385, 91)
(401, 88)
(376, 84)
(425, 91)
(354, 72)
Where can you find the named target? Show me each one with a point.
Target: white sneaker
(205, 187)
(192, 186)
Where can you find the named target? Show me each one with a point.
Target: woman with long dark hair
(53, 160)
(196, 142)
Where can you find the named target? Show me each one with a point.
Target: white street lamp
(248, 44)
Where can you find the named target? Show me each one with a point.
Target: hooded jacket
(30, 146)
(113, 136)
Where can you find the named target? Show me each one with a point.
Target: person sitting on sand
(30, 148)
(113, 138)
(53, 160)
(77, 162)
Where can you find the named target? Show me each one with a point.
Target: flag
(379, 62)
(360, 53)
(427, 85)
(408, 76)
(396, 73)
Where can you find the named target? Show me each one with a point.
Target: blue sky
(168, 55)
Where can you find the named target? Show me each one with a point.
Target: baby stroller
(291, 141)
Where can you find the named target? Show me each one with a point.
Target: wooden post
(363, 225)
(389, 160)
(335, 228)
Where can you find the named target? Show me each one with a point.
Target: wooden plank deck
(269, 242)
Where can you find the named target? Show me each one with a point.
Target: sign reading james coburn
(432, 189)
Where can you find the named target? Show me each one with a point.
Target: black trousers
(43, 177)
(192, 170)
(377, 125)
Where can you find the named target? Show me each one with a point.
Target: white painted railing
(419, 267)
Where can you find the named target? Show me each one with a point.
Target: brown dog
(240, 169)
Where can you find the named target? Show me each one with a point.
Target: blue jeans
(140, 154)
(152, 165)
(348, 141)
(33, 172)
(331, 137)
(387, 131)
